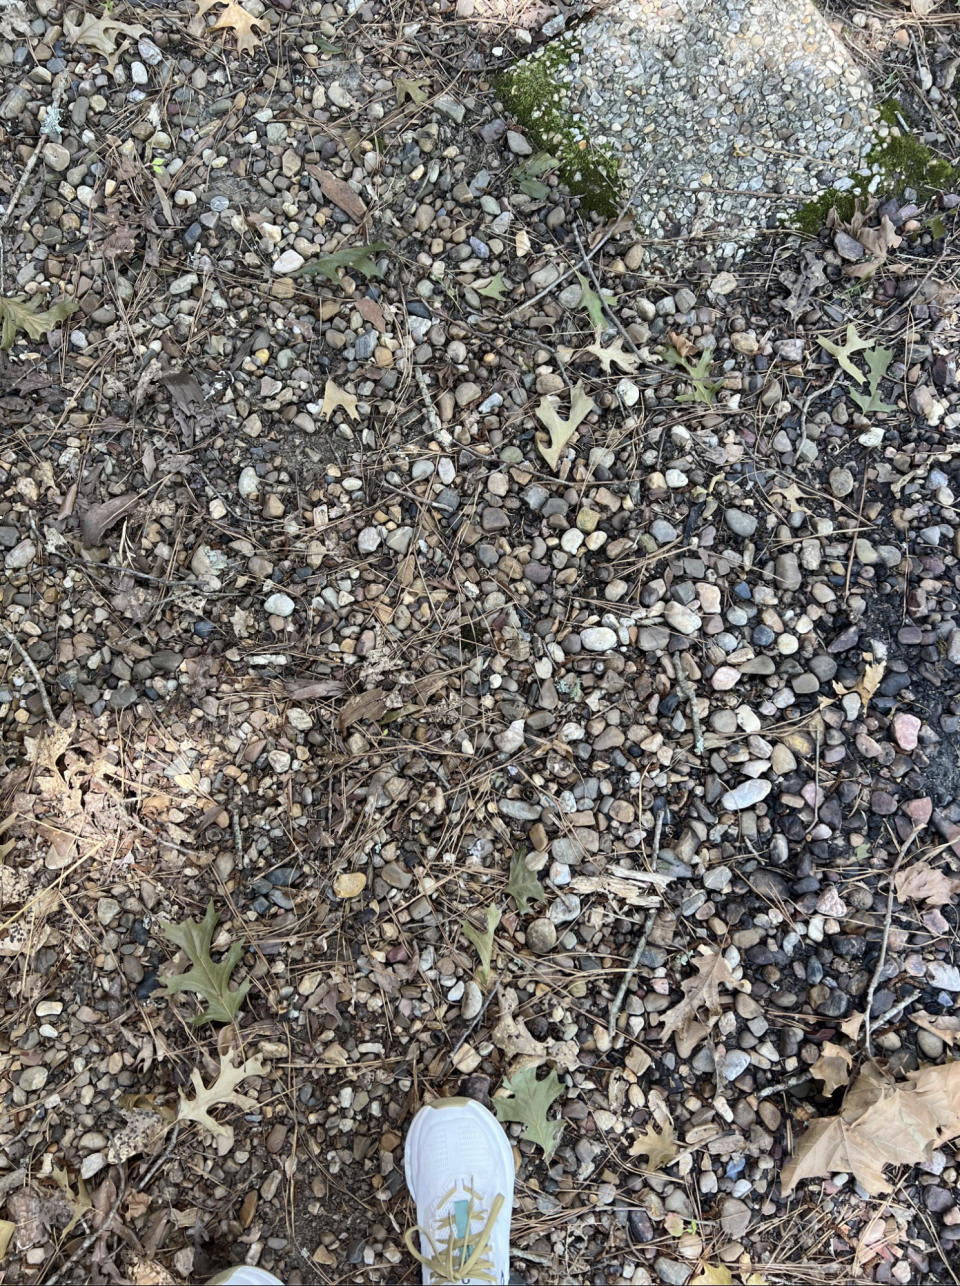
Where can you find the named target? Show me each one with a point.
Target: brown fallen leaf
(237, 19)
(334, 397)
(832, 1067)
(700, 993)
(881, 1123)
(870, 681)
(946, 1026)
(100, 35)
(100, 518)
(680, 342)
(339, 192)
(297, 691)
(939, 1090)
(561, 431)
(924, 883)
(851, 1026)
(365, 705)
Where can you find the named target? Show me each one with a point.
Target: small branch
(882, 958)
(162, 1159)
(892, 1014)
(788, 1084)
(433, 419)
(686, 690)
(631, 970)
(41, 687)
(238, 836)
(91, 1237)
(51, 125)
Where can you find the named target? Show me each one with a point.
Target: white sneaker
(460, 1170)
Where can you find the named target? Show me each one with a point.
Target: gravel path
(361, 602)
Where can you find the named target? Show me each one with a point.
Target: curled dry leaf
(924, 883)
(561, 431)
(946, 1026)
(700, 994)
(832, 1067)
(235, 18)
(882, 1122)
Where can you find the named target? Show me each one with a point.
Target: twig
(882, 958)
(528, 303)
(456, 1049)
(788, 1084)
(631, 970)
(162, 1159)
(237, 836)
(433, 419)
(687, 692)
(892, 1014)
(51, 125)
(805, 407)
(41, 687)
(614, 321)
(91, 1237)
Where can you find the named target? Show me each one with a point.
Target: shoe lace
(459, 1256)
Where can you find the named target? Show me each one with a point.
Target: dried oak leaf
(701, 992)
(561, 431)
(939, 1090)
(832, 1067)
(334, 397)
(924, 883)
(614, 352)
(100, 34)
(946, 1026)
(22, 314)
(223, 1090)
(236, 18)
(659, 1149)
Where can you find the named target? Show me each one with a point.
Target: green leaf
(325, 46)
(522, 885)
(529, 1105)
(938, 228)
(357, 259)
(704, 390)
(412, 89)
(22, 314)
(593, 303)
(483, 941)
(878, 360)
(533, 188)
(843, 352)
(495, 289)
(206, 979)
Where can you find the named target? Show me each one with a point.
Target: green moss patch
(532, 93)
(897, 160)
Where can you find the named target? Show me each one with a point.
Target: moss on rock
(898, 160)
(531, 92)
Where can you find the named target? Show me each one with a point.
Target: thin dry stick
(631, 970)
(687, 692)
(41, 688)
(51, 125)
(615, 321)
(162, 1159)
(92, 1236)
(528, 303)
(882, 958)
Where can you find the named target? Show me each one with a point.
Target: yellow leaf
(7, 1229)
(236, 17)
(713, 1275)
(561, 431)
(334, 397)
